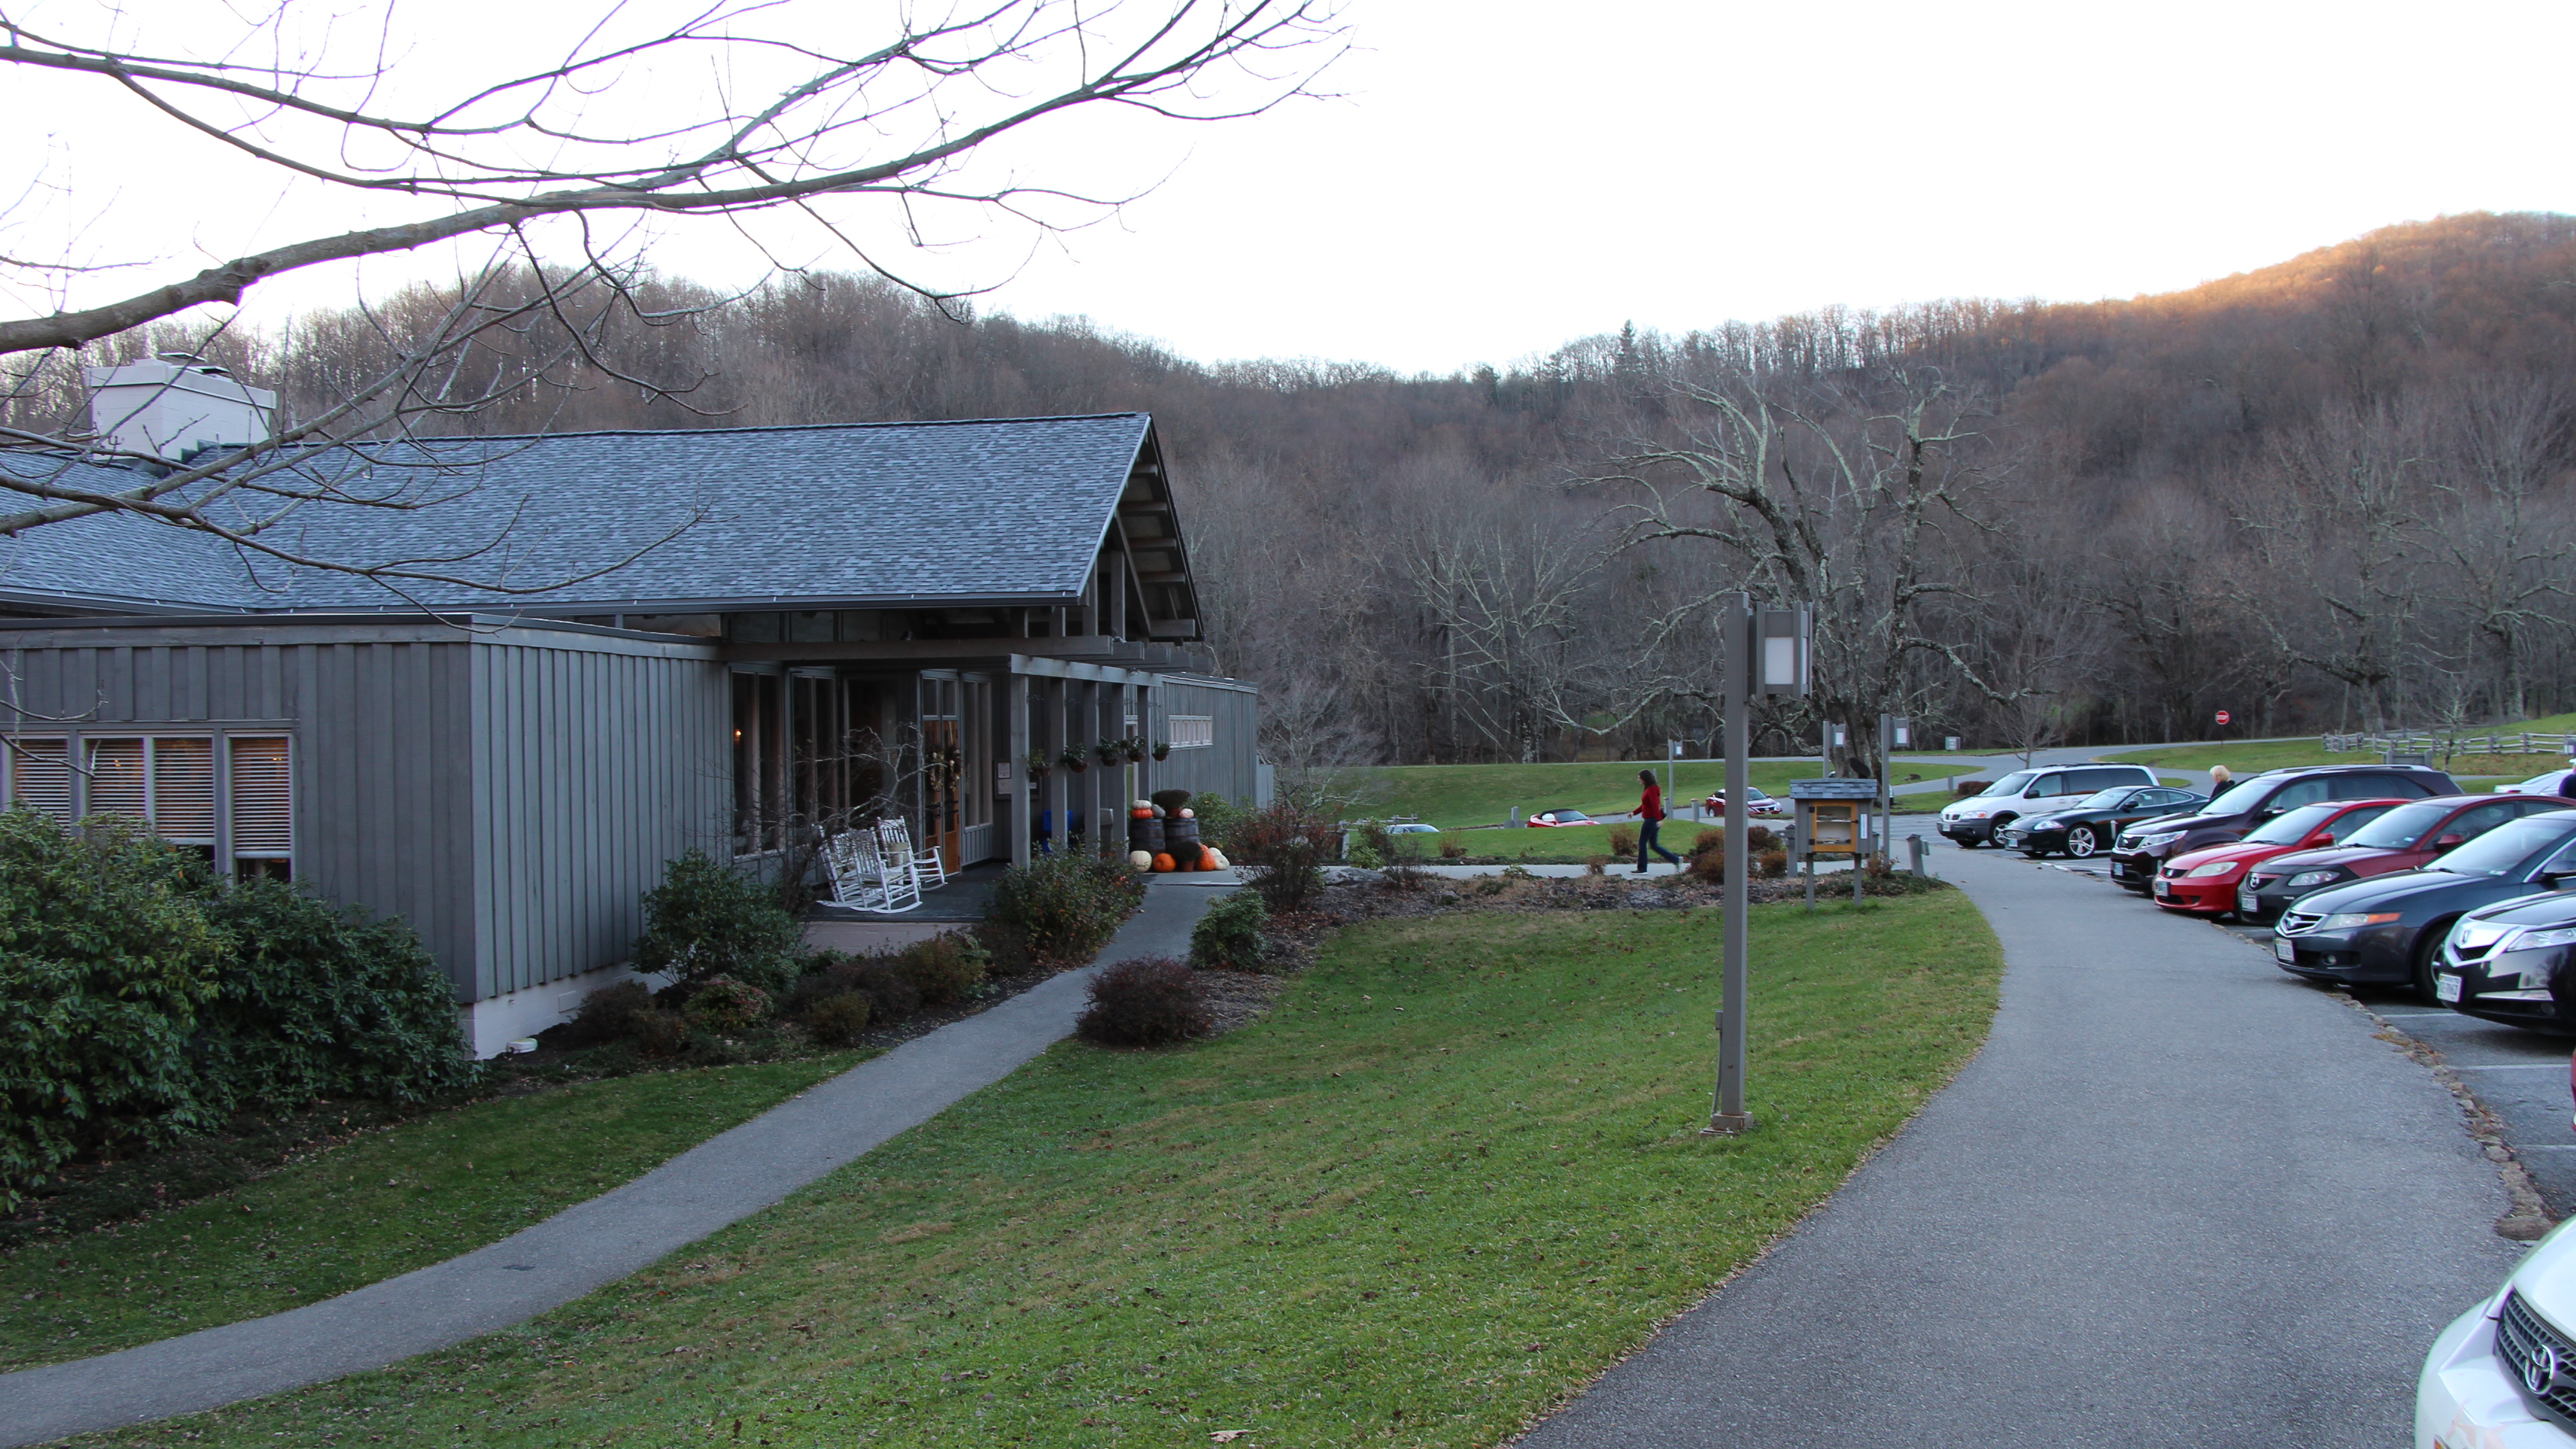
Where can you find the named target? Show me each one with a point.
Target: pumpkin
(1188, 814)
(1164, 862)
(1216, 859)
(1140, 804)
(1145, 814)
(1142, 860)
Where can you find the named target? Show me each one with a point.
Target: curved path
(720, 1181)
(2178, 1199)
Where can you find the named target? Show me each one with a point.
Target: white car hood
(2546, 1277)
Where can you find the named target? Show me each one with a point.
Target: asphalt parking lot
(2520, 1075)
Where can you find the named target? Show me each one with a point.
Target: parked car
(2405, 838)
(1546, 818)
(2547, 782)
(1973, 822)
(2092, 823)
(2503, 1374)
(2204, 882)
(1413, 827)
(1756, 804)
(2146, 846)
(2387, 929)
(2509, 963)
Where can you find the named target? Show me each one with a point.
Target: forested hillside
(2329, 493)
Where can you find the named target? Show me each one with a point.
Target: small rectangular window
(183, 790)
(40, 776)
(1192, 731)
(116, 780)
(262, 799)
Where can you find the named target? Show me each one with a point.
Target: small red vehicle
(2204, 882)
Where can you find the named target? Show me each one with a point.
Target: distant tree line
(2334, 493)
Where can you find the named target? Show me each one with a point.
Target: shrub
(1365, 855)
(609, 1013)
(1757, 839)
(723, 1005)
(1596, 864)
(1220, 822)
(1066, 906)
(1150, 1001)
(838, 1020)
(1228, 936)
(1706, 841)
(1623, 840)
(1281, 852)
(1453, 850)
(1006, 948)
(322, 1001)
(707, 919)
(660, 1033)
(1707, 865)
(946, 968)
(1775, 862)
(106, 959)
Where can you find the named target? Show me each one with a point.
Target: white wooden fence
(2426, 742)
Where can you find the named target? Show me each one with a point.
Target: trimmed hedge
(1066, 906)
(707, 919)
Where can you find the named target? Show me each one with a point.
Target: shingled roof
(862, 515)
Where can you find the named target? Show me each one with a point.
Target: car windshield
(2105, 799)
(2400, 827)
(2011, 784)
(2502, 851)
(2240, 799)
(2292, 828)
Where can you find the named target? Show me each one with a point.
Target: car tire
(2081, 842)
(2427, 947)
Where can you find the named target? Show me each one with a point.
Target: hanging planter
(1038, 764)
(1134, 748)
(1162, 749)
(1072, 760)
(1110, 751)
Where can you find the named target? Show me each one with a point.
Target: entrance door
(943, 770)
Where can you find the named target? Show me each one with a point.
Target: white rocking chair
(863, 879)
(929, 871)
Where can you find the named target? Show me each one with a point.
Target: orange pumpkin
(1164, 862)
(1145, 814)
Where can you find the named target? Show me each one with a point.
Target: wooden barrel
(1181, 838)
(1145, 835)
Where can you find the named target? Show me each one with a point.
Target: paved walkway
(2179, 1199)
(718, 1182)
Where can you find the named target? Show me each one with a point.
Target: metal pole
(1727, 1115)
(1886, 801)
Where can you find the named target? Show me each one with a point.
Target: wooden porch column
(1014, 814)
(1060, 790)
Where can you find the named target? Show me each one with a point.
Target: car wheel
(2081, 842)
(2427, 947)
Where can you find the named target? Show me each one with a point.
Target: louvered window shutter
(40, 776)
(116, 779)
(263, 813)
(183, 790)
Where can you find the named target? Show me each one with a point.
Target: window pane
(116, 779)
(183, 790)
(262, 798)
(40, 777)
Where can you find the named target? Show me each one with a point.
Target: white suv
(1973, 822)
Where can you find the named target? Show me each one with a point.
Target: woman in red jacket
(1651, 811)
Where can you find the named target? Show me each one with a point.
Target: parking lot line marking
(2546, 1147)
(2509, 1067)
(2414, 1015)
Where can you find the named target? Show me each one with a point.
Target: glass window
(40, 776)
(2105, 799)
(2475, 823)
(2302, 792)
(2505, 849)
(262, 797)
(2010, 784)
(2401, 828)
(2046, 786)
(2238, 799)
(2292, 828)
(2352, 820)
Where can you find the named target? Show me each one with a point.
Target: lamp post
(1895, 732)
(1766, 654)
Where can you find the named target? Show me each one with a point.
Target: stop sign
(2222, 716)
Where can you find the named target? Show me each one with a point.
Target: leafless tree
(864, 127)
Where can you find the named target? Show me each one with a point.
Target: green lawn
(1454, 795)
(388, 1203)
(1451, 1178)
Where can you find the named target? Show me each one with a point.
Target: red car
(2204, 882)
(2406, 838)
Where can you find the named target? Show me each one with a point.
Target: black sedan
(2092, 823)
(2388, 928)
(2509, 963)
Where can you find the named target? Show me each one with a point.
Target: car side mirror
(2558, 880)
(2445, 842)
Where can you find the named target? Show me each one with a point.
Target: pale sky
(1496, 178)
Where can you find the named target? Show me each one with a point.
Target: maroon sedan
(2406, 838)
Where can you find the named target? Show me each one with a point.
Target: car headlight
(2543, 940)
(2160, 838)
(2347, 920)
(2039, 824)
(2215, 867)
(2310, 880)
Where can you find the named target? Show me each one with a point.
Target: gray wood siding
(1225, 767)
(592, 769)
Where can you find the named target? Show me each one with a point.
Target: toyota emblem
(2540, 1371)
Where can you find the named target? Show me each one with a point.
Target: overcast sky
(1498, 177)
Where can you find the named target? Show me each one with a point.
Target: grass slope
(1455, 795)
(1454, 1175)
(378, 1207)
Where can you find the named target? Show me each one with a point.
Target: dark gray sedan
(2510, 963)
(2388, 928)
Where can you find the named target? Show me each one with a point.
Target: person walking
(1650, 810)
(2220, 777)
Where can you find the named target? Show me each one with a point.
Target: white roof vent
(176, 406)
